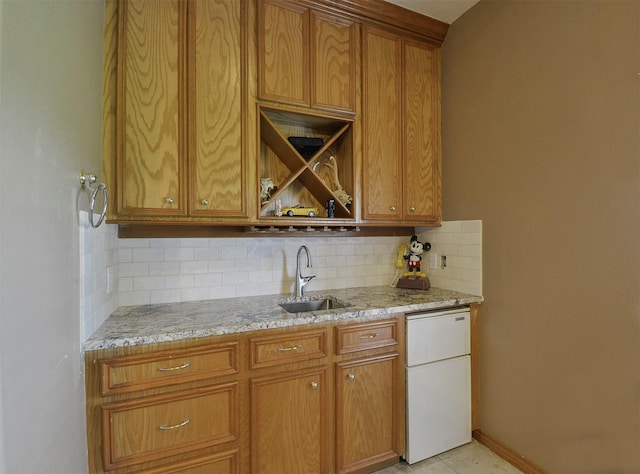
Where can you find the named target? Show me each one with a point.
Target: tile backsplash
(121, 272)
(98, 273)
(460, 242)
(166, 270)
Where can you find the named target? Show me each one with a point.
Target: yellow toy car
(300, 211)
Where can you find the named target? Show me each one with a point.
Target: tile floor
(471, 458)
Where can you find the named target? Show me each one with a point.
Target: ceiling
(443, 10)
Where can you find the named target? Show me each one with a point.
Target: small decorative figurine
(416, 249)
(340, 193)
(414, 278)
(266, 186)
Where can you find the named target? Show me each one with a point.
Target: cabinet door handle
(169, 200)
(368, 336)
(412, 209)
(204, 202)
(393, 208)
(173, 427)
(351, 377)
(314, 385)
(179, 367)
(287, 349)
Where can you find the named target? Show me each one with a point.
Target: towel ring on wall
(87, 181)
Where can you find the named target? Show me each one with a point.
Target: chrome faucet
(301, 281)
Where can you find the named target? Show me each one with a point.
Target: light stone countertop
(148, 324)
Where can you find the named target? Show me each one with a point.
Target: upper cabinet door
(151, 137)
(217, 159)
(421, 132)
(401, 129)
(333, 62)
(382, 122)
(306, 57)
(283, 52)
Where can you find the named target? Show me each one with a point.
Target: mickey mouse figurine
(416, 249)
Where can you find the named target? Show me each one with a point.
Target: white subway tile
(471, 251)
(235, 278)
(193, 266)
(194, 242)
(147, 255)
(133, 243)
(133, 269)
(233, 253)
(223, 291)
(273, 288)
(164, 296)
(164, 243)
(179, 281)
(163, 268)
(178, 253)
(194, 294)
(451, 226)
(345, 250)
(220, 266)
(125, 284)
(208, 279)
(148, 283)
(134, 298)
(125, 255)
(260, 276)
(227, 242)
(211, 253)
(320, 262)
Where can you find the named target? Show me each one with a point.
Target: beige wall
(541, 141)
(50, 128)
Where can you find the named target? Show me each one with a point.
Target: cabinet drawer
(286, 348)
(222, 463)
(150, 428)
(141, 372)
(370, 335)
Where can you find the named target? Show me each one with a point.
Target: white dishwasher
(438, 382)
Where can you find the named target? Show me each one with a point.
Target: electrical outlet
(443, 261)
(433, 261)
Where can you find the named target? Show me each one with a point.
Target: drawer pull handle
(368, 336)
(287, 349)
(179, 425)
(180, 367)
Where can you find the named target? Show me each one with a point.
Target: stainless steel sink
(319, 304)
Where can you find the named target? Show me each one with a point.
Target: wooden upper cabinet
(401, 121)
(306, 57)
(217, 161)
(381, 90)
(333, 61)
(151, 136)
(421, 98)
(181, 109)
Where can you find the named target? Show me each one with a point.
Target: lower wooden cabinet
(289, 423)
(151, 428)
(321, 398)
(367, 411)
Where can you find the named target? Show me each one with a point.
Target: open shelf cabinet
(310, 182)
